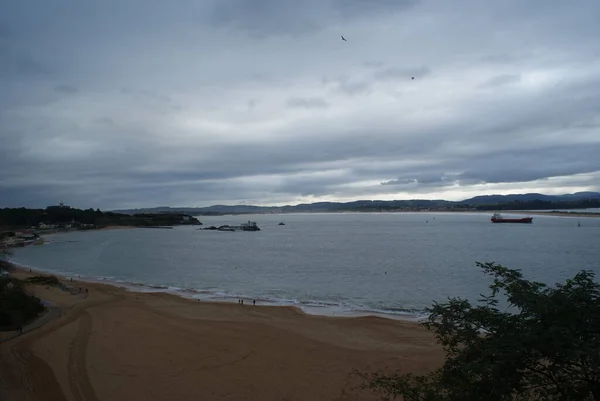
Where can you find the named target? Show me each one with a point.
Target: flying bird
(413, 78)
(344, 39)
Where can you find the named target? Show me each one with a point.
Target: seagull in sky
(344, 39)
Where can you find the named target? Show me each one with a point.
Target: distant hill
(497, 199)
(581, 195)
(484, 202)
(360, 205)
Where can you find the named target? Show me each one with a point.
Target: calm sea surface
(326, 263)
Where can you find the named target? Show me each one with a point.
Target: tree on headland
(546, 348)
(62, 216)
(4, 263)
(17, 307)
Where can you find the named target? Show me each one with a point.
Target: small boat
(497, 218)
(282, 224)
(249, 226)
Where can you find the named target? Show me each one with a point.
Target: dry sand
(111, 344)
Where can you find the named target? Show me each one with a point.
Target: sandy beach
(112, 344)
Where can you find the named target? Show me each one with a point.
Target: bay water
(331, 263)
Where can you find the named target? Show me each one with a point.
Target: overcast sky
(140, 103)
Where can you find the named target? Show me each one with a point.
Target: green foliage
(4, 264)
(548, 349)
(25, 218)
(17, 308)
(4, 254)
(44, 280)
(164, 219)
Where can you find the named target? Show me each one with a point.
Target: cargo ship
(497, 218)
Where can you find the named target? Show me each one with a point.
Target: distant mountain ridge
(530, 200)
(491, 199)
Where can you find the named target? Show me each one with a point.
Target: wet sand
(112, 344)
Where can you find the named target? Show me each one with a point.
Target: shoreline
(308, 308)
(519, 212)
(490, 212)
(563, 214)
(110, 343)
(107, 228)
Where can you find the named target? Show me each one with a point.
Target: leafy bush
(5, 265)
(549, 349)
(44, 280)
(16, 307)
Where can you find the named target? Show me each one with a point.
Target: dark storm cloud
(354, 88)
(374, 64)
(517, 167)
(308, 102)
(21, 65)
(140, 94)
(391, 73)
(252, 103)
(348, 86)
(256, 17)
(28, 66)
(361, 8)
(66, 89)
(105, 121)
(4, 31)
(502, 58)
(501, 80)
(262, 18)
(145, 103)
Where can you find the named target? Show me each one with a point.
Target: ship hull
(523, 220)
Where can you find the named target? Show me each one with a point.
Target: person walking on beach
(254, 302)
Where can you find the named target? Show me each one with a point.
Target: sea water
(335, 263)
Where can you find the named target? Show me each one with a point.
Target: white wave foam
(313, 307)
